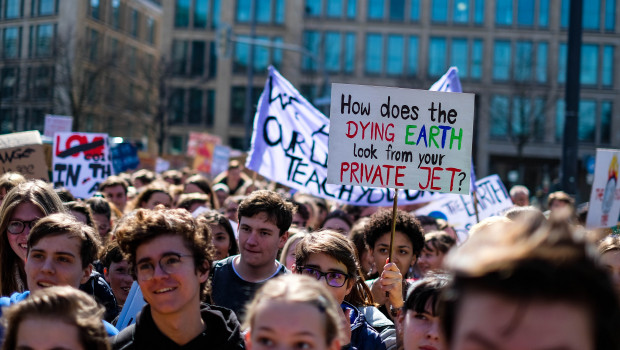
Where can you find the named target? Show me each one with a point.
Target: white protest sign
(289, 146)
(604, 206)
(459, 211)
(23, 152)
(81, 161)
(57, 123)
(400, 138)
(133, 305)
(221, 156)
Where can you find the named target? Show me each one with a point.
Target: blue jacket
(363, 336)
(17, 297)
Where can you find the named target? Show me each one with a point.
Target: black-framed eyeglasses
(17, 226)
(169, 263)
(333, 279)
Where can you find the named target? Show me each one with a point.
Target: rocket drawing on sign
(610, 188)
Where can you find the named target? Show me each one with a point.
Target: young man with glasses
(171, 254)
(264, 220)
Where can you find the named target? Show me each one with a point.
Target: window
(476, 59)
(10, 83)
(499, 116)
(412, 59)
(150, 30)
(94, 9)
(586, 123)
(541, 62)
(42, 82)
(263, 11)
(351, 8)
(437, 57)
(11, 42)
(503, 12)
(525, 12)
(564, 9)
(198, 58)
(133, 60)
(439, 11)
(479, 11)
(93, 45)
(43, 8)
(591, 15)
(177, 104)
(395, 54)
(179, 57)
(562, 61)
(333, 47)
(181, 13)
(415, 10)
(267, 11)
(261, 56)
(523, 61)
(520, 118)
(589, 64)
(543, 14)
(176, 144)
(607, 70)
(7, 120)
(460, 12)
(195, 107)
(242, 57)
(349, 53)
(375, 9)
(114, 50)
(212, 59)
(210, 107)
(606, 122)
(334, 8)
(313, 8)
(311, 40)
(397, 10)
(201, 13)
(539, 119)
(374, 53)
(610, 15)
(42, 40)
(501, 60)
(459, 55)
(135, 23)
(279, 12)
(115, 13)
(237, 107)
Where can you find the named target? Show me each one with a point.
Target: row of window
(196, 13)
(123, 17)
(194, 58)
(32, 119)
(39, 83)
(13, 9)
(263, 55)
(40, 43)
(597, 14)
(192, 107)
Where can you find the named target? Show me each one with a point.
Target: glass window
(210, 107)
(314, 8)
(587, 120)
(374, 53)
(179, 57)
(610, 15)
(311, 40)
(177, 104)
(215, 19)
(564, 9)
(375, 9)
(212, 59)
(476, 59)
(351, 9)
(525, 12)
(242, 57)
(499, 116)
(349, 53)
(589, 64)
(261, 56)
(195, 107)
(176, 144)
(11, 42)
(606, 122)
(94, 45)
(237, 107)
(150, 30)
(201, 13)
(197, 65)
(539, 119)
(562, 59)
(591, 14)
(412, 59)
(47, 7)
(277, 53)
(521, 111)
(181, 13)
(397, 10)
(45, 34)
(459, 56)
(479, 11)
(395, 54)
(501, 60)
(439, 11)
(133, 60)
(437, 57)
(333, 47)
(115, 13)
(460, 13)
(263, 11)
(415, 10)
(334, 8)
(523, 61)
(541, 62)
(503, 12)
(243, 10)
(279, 12)
(607, 71)
(94, 9)
(543, 14)
(135, 23)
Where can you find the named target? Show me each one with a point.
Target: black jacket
(222, 332)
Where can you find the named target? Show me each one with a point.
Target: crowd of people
(238, 263)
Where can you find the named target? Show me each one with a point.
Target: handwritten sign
(400, 138)
(458, 210)
(57, 123)
(81, 161)
(221, 156)
(289, 146)
(23, 152)
(604, 206)
(124, 157)
(201, 147)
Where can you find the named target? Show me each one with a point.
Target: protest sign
(459, 211)
(81, 161)
(400, 138)
(124, 157)
(604, 206)
(23, 152)
(201, 147)
(57, 123)
(289, 146)
(221, 156)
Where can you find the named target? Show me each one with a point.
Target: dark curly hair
(381, 223)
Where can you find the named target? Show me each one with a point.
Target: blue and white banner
(290, 146)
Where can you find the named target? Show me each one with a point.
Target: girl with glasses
(22, 207)
(330, 257)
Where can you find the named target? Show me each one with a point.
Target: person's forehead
(260, 220)
(115, 188)
(59, 242)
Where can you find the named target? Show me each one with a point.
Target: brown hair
(143, 225)
(279, 211)
(112, 181)
(145, 195)
(608, 244)
(10, 180)
(59, 303)
(438, 241)
(214, 218)
(202, 183)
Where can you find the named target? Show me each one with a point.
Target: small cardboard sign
(23, 152)
(57, 123)
(604, 206)
(400, 138)
(81, 162)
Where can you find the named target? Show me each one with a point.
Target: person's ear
(106, 273)
(86, 273)
(203, 276)
(294, 269)
(414, 260)
(335, 344)
(350, 284)
(283, 240)
(248, 340)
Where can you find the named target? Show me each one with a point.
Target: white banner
(290, 146)
(604, 206)
(459, 211)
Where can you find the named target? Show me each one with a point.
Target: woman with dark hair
(102, 214)
(198, 183)
(150, 197)
(222, 235)
(339, 221)
(22, 207)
